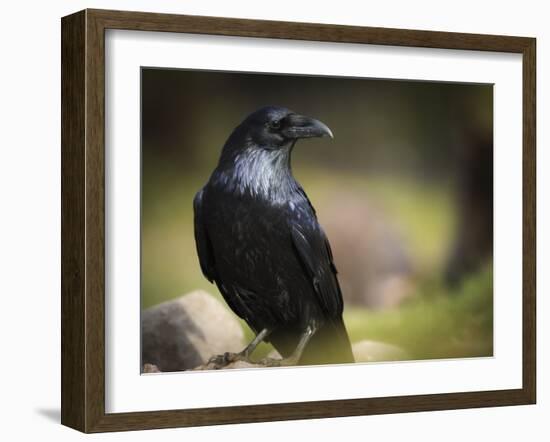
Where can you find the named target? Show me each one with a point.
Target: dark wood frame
(83, 216)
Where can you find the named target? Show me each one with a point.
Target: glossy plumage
(258, 239)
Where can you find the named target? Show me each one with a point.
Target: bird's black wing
(331, 343)
(204, 247)
(313, 250)
(206, 257)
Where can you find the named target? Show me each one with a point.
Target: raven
(259, 241)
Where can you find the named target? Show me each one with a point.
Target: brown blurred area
(404, 191)
(380, 125)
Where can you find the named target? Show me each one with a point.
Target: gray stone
(232, 365)
(184, 333)
(150, 368)
(371, 255)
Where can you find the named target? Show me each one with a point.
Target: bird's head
(274, 127)
(256, 158)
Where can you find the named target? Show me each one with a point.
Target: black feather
(259, 240)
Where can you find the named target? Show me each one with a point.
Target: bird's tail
(329, 345)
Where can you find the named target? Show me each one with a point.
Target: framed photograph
(269, 220)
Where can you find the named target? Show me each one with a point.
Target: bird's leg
(220, 361)
(245, 354)
(294, 358)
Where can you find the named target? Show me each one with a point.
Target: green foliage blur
(395, 149)
(437, 322)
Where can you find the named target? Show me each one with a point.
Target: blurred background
(404, 193)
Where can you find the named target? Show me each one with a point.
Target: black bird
(259, 240)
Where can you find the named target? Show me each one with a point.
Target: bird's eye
(276, 124)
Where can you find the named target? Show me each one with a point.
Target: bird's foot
(284, 362)
(220, 361)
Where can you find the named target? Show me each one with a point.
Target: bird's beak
(300, 126)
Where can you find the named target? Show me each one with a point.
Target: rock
(373, 262)
(363, 351)
(373, 351)
(232, 365)
(184, 333)
(150, 368)
(274, 354)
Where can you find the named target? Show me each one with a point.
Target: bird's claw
(271, 362)
(221, 361)
(217, 361)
